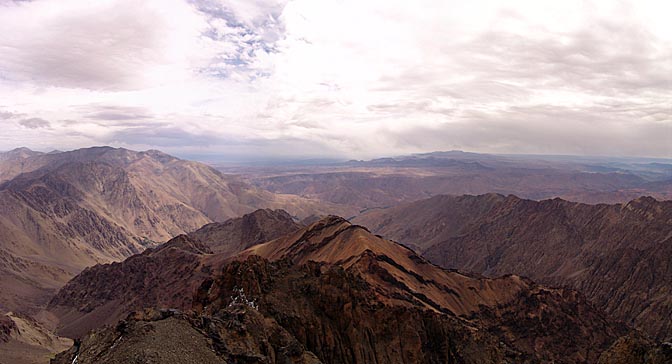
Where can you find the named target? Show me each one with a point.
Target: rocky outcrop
(237, 334)
(635, 349)
(7, 328)
(338, 316)
(342, 318)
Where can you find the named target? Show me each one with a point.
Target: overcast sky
(353, 79)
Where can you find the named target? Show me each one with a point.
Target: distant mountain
(17, 161)
(334, 293)
(387, 182)
(61, 212)
(619, 256)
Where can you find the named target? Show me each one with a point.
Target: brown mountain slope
(339, 316)
(424, 223)
(70, 210)
(164, 277)
(618, 255)
(401, 278)
(341, 292)
(175, 195)
(416, 281)
(25, 341)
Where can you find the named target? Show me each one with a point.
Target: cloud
(349, 78)
(544, 130)
(4, 115)
(34, 123)
(161, 136)
(106, 45)
(113, 113)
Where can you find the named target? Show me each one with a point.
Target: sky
(255, 79)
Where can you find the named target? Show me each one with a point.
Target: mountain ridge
(609, 252)
(65, 211)
(304, 281)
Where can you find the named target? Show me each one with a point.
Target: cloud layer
(338, 78)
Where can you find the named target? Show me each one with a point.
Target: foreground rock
(236, 335)
(635, 349)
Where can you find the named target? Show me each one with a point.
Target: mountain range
(617, 255)
(63, 211)
(118, 256)
(387, 182)
(330, 292)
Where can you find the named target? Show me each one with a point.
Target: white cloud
(108, 45)
(360, 78)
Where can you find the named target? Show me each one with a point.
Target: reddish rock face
(619, 255)
(341, 318)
